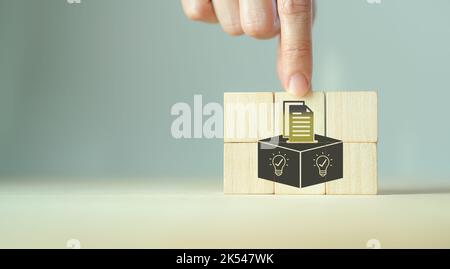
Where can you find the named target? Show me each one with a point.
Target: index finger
(295, 55)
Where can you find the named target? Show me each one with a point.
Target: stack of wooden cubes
(347, 116)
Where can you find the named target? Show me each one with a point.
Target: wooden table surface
(191, 213)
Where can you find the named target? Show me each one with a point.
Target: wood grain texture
(282, 189)
(360, 170)
(248, 117)
(241, 170)
(316, 102)
(352, 116)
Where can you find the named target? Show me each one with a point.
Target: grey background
(86, 89)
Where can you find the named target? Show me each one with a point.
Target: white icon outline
(323, 162)
(279, 162)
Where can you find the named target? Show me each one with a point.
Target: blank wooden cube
(316, 102)
(360, 170)
(248, 117)
(352, 116)
(241, 170)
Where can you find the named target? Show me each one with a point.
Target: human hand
(291, 20)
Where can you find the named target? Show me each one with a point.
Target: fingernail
(298, 85)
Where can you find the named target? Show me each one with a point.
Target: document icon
(298, 123)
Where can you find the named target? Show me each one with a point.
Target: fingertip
(298, 85)
(199, 11)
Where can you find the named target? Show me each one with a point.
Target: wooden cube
(241, 170)
(248, 117)
(316, 102)
(352, 116)
(360, 170)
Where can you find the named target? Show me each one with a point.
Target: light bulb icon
(322, 163)
(279, 162)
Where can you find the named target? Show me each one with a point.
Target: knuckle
(299, 50)
(259, 29)
(259, 23)
(296, 7)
